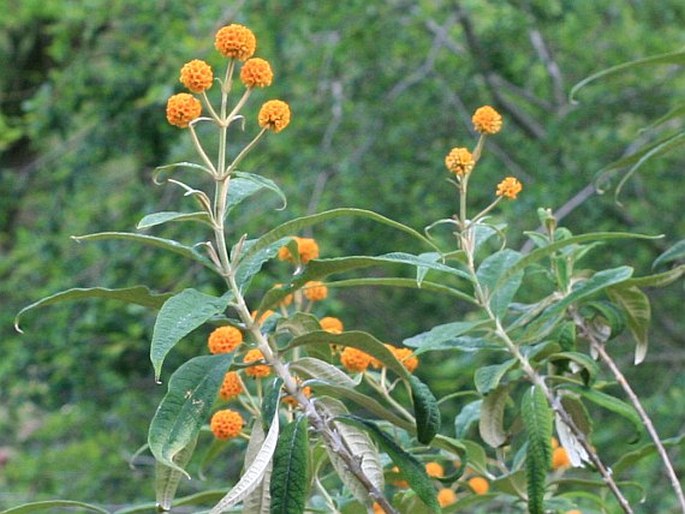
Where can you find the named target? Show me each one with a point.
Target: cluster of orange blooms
(234, 42)
(460, 161)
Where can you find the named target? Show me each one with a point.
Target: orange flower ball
(256, 72)
(274, 115)
(235, 41)
(460, 161)
(560, 459)
(487, 120)
(226, 424)
(315, 291)
(307, 248)
(231, 386)
(406, 357)
(260, 370)
(197, 76)
(479, 485)
(354, 360)
(331, 324)
(224, 339)
(509, 188)
(435, 470)
(182, 108)
(446, 497)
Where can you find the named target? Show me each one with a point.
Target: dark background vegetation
(380, 91)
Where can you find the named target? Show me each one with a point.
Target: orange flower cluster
(306, 247)
(560, 458)
(406, 357)
(435, 470)
(182, 108)
(460, 161)
(231, 386)
(235, 41)
(197, 76)
(260, 370)
(487, 120)
(331, 324)
(446, 497)
(479, 485)
(355, 360)
(509, 188)
(256, 72)
(274, 115)
(224, 339)
(315, 291)
(226, 424)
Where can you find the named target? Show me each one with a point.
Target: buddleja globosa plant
(336, 420)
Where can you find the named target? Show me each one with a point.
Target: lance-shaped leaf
(537, 419)
(244, 185)
(448, 336)
(185, 408)
(630, 459)
(289, 480)
(159, 218)
(138, 295)
(178, 317)
(51, 505)
(270, 401)
(413, 470)
(157, 242)
(426, 411)
(499, 293)
(468, 415)
(259, 500)
(309, 367)
(167, 479)
(250, 265)
(674, 253)
(488, 378)
(255, 473)
(491, 423)
(638, 313)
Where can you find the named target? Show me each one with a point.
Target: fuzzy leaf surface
(289, 480)
(537, 419)
(491, 422)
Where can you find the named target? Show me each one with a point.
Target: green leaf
(53, 504)
(498, 292)
(468, 415)
(677, 112)
(139, 295)
(448, 337)
(159, 218)
(408, 283)
(178, 317)
(413, 470)
(638, 313)
(157, 242)
(289, 480)
(575, 408)
(159, 169)
(270, 401)
(537, 418)
(244, 185)
(605, 315)
(254, 474)
(167, 479)
(249, 265)
(488, 378)
(658, 280)
(581, 360)
(677, 57)
(309, 367)
(629, 460)
(259, 500)
(185, 408)
(612, 404)
(491, 422)
(426, 411)
(294, 226)
(674, 253)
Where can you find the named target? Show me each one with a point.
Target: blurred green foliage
(380, 91)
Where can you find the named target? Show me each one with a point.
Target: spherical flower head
(487, 120)
(236, 41)
(231, 386)
(260, 370)
(560, 459)
(446, 496)
(354, 360)
(197, 76)
(182, 108)
(274, 115)
(224, 339)
(256, 72)
(406, 357)
(331, 324)
(307, 248)
(435, 470)
(479, 485)
(226, 424)
(509, 188)
(460, 161)
(315, 291)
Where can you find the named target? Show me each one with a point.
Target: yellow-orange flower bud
(274, 115)
(460, 161)
(235, 41)
(487, 120)
(260, 370)
(406, 357)
(435, 470)
(331, 324)
(256, 72)
(197, 76)
(354, 360)
(479, 485)
(231, 386)
(315, 291)
(560, 459)
(446, 497)
(182, 108)
(224, 339)
(306, 247)
(226, 424)
(509, 188)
